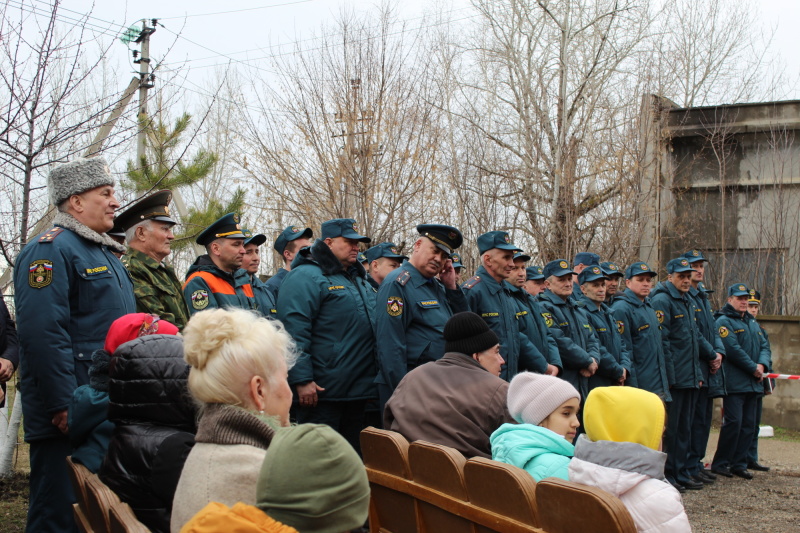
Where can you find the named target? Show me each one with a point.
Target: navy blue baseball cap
(522, 255)
(755, 297)
(738, 289)
(610, 269)
(456, 260)
(558, 267)
(586, 258)
(694, 256)
(289, 234)
(591, 273)
(496, 239)
(342, 227)
(384, 249)
(639, 267)
(226, 227)
(257, 239)
(446, 238)
(679, 264)
(702, 286)
(534, 272)
(361, 257)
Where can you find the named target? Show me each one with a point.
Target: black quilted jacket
(155, 424)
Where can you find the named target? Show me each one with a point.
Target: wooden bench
(99, 509)
(428, 487)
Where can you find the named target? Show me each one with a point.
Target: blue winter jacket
(745, 347)
(539, 451)
(614, 355)
(329, 313)
(641, 334)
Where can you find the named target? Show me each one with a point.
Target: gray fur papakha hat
(77, 176)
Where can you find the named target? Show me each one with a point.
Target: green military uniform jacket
(156, 288)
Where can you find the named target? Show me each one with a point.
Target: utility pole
(347, 166)
(145, 82)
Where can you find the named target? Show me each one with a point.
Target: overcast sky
(214, 32)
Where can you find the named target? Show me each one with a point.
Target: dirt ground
(768, 502)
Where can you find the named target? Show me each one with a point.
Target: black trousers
(51, 498)
(677, 438)
(737, 431)
(346, 417)
(701, 428)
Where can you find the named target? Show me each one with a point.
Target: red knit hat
(128, 327)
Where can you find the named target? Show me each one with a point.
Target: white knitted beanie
(532, 397)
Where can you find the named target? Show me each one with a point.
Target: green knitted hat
(313, 480)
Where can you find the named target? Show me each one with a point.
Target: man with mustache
(414, 305)
(489, 297)
(69, 288)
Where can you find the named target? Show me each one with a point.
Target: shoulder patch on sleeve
(660, 316)
(40, 273)
(471, 282)
(723, 331)
(548, 319)
(51, 235)
(403, 278)
(394, 306)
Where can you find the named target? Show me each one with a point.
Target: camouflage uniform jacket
(156, 288)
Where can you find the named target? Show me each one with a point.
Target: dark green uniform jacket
(409, 321)
(575, 336)
(745, 347)
(641, 334)
(687, 348)
(489, 299)
(156, 288)
(207, 286)
(708, 329)
(329, 313)
(614, 356)
(68, 291)
(532, 324)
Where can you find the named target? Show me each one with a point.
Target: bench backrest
(429, 487)
(574, 507)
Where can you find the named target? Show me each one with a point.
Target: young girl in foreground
(546, 408)
(621, 454)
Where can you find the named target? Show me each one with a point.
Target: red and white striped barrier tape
(781, 376)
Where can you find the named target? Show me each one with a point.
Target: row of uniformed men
(564, 321)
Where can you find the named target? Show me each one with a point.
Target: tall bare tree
(348, 131)
(52, 104)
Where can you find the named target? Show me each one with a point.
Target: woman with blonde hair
(239, 367)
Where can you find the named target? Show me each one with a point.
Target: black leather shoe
(678, 486)
(757, 466)
(744, 474)
(702, 479)
(722, 471)
(709, 474)
(705, 478)
(692, 484)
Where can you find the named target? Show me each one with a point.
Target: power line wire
(238, 10)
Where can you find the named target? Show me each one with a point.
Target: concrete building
(726, 180)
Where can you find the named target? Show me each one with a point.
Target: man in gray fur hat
(69, 287)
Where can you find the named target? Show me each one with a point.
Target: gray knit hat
(532, 397)
(313, 480)
(78, 176)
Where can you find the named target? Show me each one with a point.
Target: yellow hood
(624, 414)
